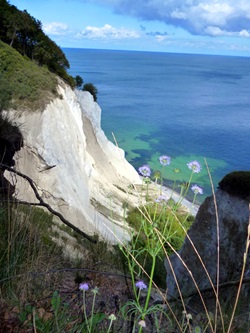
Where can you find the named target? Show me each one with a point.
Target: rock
(11, 141)
(237, 183)
(79, 173)
(233, 217)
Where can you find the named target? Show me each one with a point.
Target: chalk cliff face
(78, 171)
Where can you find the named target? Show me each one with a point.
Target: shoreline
(191, 207)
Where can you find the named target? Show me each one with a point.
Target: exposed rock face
(80, 173)
(233, 217)
(237, 183)
(10, 142)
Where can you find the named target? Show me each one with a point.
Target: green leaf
(56, 301)
(97, 318)
(197, 329)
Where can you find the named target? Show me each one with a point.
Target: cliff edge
(77, 170)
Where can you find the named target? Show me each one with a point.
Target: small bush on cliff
(92, 89)
(78, 81)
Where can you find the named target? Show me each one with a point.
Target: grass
(40, 283)
(24, 84)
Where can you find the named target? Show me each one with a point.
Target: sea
(187, 106)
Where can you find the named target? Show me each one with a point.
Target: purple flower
(84, 286)
(141, 285)
(145, 171)
(164, 160)
(197, 189)
(194, 166)
(161, 198)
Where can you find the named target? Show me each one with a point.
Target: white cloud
(161, 38)
(55, 28)
(215, 31)
(195, 16)
(107, 32)
(244, 33)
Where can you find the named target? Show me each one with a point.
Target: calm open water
(185, 106)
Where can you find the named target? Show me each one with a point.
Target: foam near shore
(156, 190)
(191, 207)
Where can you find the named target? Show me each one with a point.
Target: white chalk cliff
(77, 170)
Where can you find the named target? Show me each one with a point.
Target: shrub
(92, 89)
(78, 81)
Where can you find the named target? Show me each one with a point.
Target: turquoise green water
(189, 107)
(139, 152)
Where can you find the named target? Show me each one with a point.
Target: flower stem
(92, 310)
(84, 312)
(149, 289)
(110, 324)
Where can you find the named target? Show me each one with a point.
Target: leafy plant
(78, 81)
(92, 89)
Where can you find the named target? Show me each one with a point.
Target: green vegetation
(42, 262)
(92, 89)
(25, 245)
(28, 57)
(170, 222)
(78, 81)
(24, 33)
(72, 285)
(86, 87)
(23, 84)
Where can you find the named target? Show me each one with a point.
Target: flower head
(95, 290)
(164, 160)
(197, 189)
(112, 317)
(145, 171)
(156, 174)
(147, 180)
(142, 323)
(141, 285)
(161, 198)
(194, 166)
(84, 286)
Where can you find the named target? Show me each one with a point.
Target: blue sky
(183, 26)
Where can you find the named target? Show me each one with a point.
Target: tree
(79, 81)
(24, 33)
(92, 89)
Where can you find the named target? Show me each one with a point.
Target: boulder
(232, 215)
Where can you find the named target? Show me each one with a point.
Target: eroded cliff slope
(78, 171)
